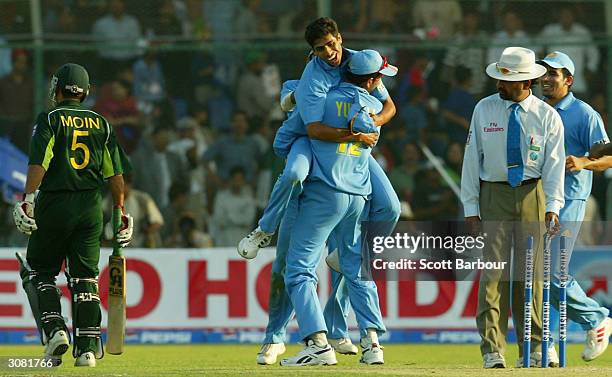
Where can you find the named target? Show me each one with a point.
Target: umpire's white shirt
(541, 147)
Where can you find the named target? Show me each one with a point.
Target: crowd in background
(198, 124)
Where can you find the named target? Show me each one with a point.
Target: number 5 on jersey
(76, 145)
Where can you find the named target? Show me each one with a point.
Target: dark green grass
(234, 360)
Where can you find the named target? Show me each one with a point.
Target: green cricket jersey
(77, 148)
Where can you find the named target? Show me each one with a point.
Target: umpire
(72, 152)
(512, 180)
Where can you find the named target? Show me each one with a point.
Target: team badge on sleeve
(34, 129)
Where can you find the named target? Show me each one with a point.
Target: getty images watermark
(413, 244)
(437, 250)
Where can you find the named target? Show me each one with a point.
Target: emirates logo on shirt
(493, 128)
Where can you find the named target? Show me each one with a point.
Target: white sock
(371, 337)
(319, 338)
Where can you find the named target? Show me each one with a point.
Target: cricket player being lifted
(72, 152)
(335, 200)
(292, 142)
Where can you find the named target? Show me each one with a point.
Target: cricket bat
(115, 335)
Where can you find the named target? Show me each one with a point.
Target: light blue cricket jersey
(316, 81)
(583, 127)
(344, 167)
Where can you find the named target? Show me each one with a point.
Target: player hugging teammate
(331, 147)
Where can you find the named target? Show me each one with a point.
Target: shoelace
(264, 241)
(265, 238)
(591, 339)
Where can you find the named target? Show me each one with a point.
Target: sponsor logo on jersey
(493, 128)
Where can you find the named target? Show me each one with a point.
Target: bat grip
(117, 213)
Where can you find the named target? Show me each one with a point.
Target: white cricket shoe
(269, 352)
(343, 346)
(57, 345)
(312, 355)
(535, 361)
(86, 359)
(493, 360)
(597, 340)
(250, 245)
(372, 354)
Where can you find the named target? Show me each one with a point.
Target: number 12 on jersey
(351, 149)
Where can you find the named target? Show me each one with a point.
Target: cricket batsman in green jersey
(72, 152)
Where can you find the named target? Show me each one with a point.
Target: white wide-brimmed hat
(516, 64)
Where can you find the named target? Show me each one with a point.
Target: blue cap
(366, 62)
(557, 59)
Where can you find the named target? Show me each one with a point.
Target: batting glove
(124, 234)
(23, 214)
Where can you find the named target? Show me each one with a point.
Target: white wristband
(287, 103)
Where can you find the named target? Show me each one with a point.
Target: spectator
(251, 96)
(414, 116)
(17, 101)
(189, 135)
(458, 108)
(599, 104)
(194, 24)
(188, 235)
(220, 15)
(352, 15)
(121, 110)
(403, 175)
(511, 35)
(439, 18)
(234, 210)
(166, 22)
(203, 79)
(414, 77)
(432, 200)
(89, 11)
(454, 161)
(156, 168)
(117, 105)
(575, 40)
(118, 33)
(383, 15)
(149, 83)
(247, 19)
(148, 219)
(6, 64)
(238, 149)
(466, 51)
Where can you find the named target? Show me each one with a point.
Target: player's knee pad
(86, 315)
(45, 303)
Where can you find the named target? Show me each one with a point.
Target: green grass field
(233, 360)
